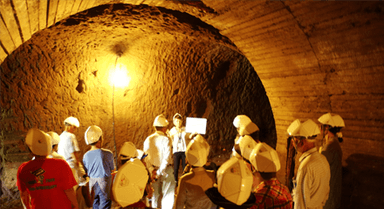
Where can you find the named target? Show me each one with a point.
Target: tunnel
(275, 61)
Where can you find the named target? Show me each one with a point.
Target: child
(99, 165)
(45, 182)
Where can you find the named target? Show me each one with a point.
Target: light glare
(119, 77)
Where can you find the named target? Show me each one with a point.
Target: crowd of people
(56, 177)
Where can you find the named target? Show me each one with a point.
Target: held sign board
(196, 125)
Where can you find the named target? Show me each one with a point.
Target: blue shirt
(98, 163)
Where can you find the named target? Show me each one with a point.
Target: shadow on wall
(363, 182)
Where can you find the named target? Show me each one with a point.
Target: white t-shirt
(178, 139)
(68, 145)
(158, 148)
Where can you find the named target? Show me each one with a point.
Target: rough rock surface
(176, 63)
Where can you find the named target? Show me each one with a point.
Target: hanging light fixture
(119, 75)
(118, 78)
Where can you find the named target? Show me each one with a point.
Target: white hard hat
(93, 134)
(241, 120)
(332, 120)
(246, 144)
(244, 125)
(248, 129)
(235, 180)
(196, 153)
(128, 150)
(129, 183)
(38, 142)
(54, 137)
(264, 158)
(72, 121)
(202, 140)
(306, 129)
(160, 121)
(177, 114)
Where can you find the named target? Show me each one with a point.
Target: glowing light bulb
(119, 76)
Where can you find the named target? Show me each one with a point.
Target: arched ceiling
(176, 63)
(311, 57)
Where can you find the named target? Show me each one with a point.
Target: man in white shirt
(69, 148)
(313, 175)
(159, 159)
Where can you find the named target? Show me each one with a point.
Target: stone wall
(311, 57)
(64, 71)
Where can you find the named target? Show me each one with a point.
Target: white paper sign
(196, 125)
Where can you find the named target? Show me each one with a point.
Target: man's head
(55, 139)
(303, 144)
(244, 146)
(244, 125)
(127, 151)
(38, 142)
(178, 120)
(93, 135)
(160, 123)
(332, 123)
(303, 134)
(71, 124)
(202, 140)
(265, 160)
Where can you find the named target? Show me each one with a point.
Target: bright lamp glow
(119, 76)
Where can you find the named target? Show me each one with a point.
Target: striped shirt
(312, 179)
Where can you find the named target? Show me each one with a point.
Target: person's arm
(72, 197)
(79, 164)
(66, 182)
(25, 200)
(166, 149)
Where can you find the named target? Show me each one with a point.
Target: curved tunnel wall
(312, 58)
(64, 70)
